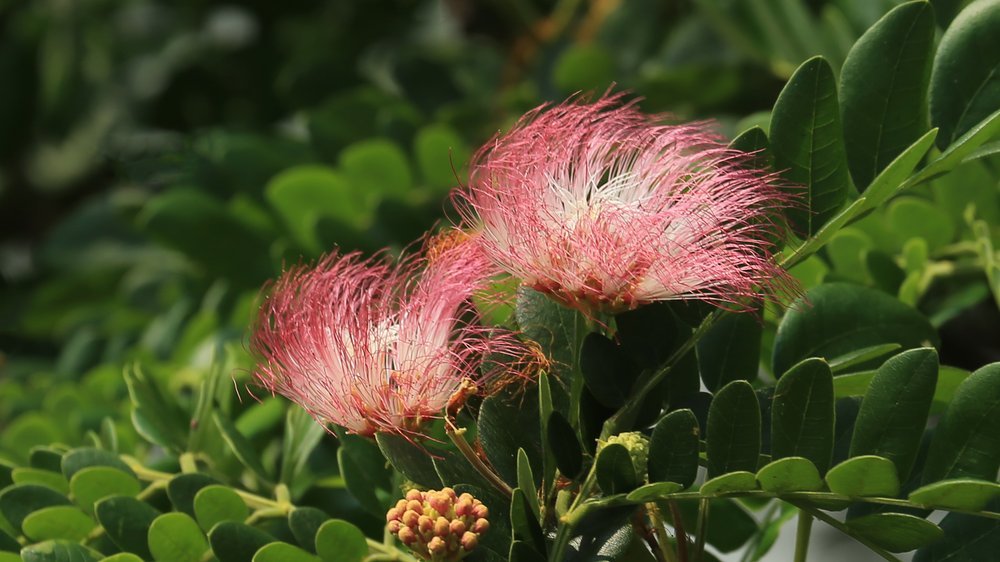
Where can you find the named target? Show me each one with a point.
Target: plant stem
(581, 327)
(387, 552)
(802, 533)
(701, 530)
(457, 436)
(845, 529)
(679, 533)
(573, 515)
(660, 531)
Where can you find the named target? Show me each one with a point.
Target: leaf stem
(845, 529)
(581, 327)
(701, 531)
(387, 552)
(679, 532)
(802, 533)
(457, 436)
(660, 532)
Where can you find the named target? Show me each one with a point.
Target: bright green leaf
(896, 532)
(58, 522)
(790, 474)
(965, 494)
(864, 476)
(175, 537)
(92, 484)
(740, 481)
(216, 503)
(283, 552)
(340, 541)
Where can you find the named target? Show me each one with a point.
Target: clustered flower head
(603, 208)
(440, 526)
(375, 346)
(637, 446)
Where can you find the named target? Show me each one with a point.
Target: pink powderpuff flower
(379, 347)
(602, 208)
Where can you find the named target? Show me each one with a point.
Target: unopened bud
(438, 526)
(469, 541)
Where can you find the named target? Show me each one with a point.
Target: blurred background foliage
(160, 161)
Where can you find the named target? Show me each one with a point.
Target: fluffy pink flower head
(603, 208)
(379, 347)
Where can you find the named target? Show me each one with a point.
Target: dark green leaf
(840, 318)
(790, 474)
(730, 350)
(896, 532)
(184, 487)
(673, 449)
(965, 81)
(54, 480)
(305, 522)
(565, 446)
(802, 414)
(340, 541)
(507, 424)
(409, 459)
(550, 324)
(607, 371)
(521, 551)
(966, 443)
(58, 522)
(733, 430)
(365, 473)
(615, 471)
(239, 445)
(175, 537)
(59, 551)
(654, 491)
(78, 459)
(864, 476)
(966, 537)
(730, 526)
(808, 144)
(604, 535)
(894, 411)
(526, 482)
(302, 435)
(523, 521)
(755, 140)
(46, 459)
(236, 542)
(126, 521)
(155, 417)
(861, 356)
(216, 503)
(20, 500)
(883, 88)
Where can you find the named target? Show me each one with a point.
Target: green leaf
(607, 371)
(615, 471)
(894, 177)
(521, 551)
(122, 557)
(239, 445)
(409, 459)
(790, 474)
(182, 489)
(861, 356)
(78, 459)
(283, 552)
(840, 318)
(965, 81)
(914, 217)
(966, 443)
(59, 522)
(365, 473)
(216, 503)
(864, 476)
(303, 195)
(46, 459)
(54, 480)
(963, 148)
(236, 542)
(302, 435)
(305, 522)
(340, 541)
(92, 484)
(526, 482)
(673, 449)
(733, 430)
(730, 525)
(506, 425)
(894, 411)
(377, 166)
(802, 414)
(730, 350)
(126, 521)
(755, 140)
(523, 521)
(155, 418)
(896, 532)
(740, 481)
(440, 154)
(59, 551)
(550, 324)
(966, 537)
(20, 500)
(883, 87)
(653, 491)
(175, 537)
(964, 494)
(808, 144)
(565, 446)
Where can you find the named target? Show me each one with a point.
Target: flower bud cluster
(637, 445)
(439, 526)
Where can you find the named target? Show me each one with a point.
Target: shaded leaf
(802, 414)
(733, 430)
(673, 449)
